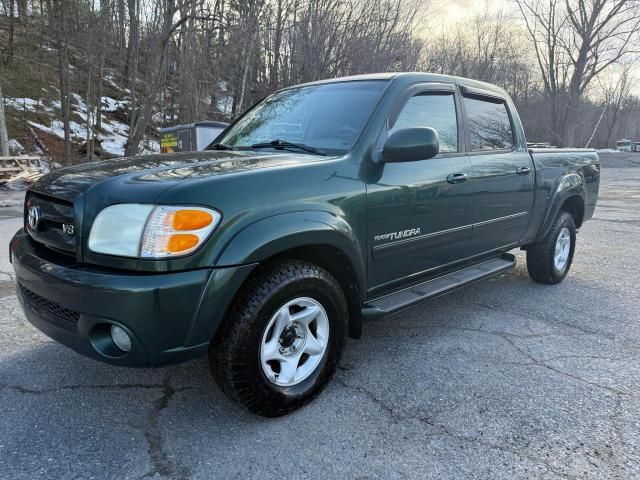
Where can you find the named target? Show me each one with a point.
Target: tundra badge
(398, 235)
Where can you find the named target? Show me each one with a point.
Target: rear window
(489, 124)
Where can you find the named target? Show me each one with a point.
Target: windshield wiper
(219, 146)
(283, 144)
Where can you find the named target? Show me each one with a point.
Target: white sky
(455, 10)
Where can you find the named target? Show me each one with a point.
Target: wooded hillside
(91, 79)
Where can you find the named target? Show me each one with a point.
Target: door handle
(457, 178)
(523, 171)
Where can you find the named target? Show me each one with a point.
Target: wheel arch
(321, 238)
(574, 205)
(334, 261)
(568, 196)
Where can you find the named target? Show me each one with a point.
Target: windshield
(324, 117)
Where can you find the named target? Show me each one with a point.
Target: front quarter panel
(274, 205)
(276, 234)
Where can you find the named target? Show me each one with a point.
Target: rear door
(502, 172)
(419, 213)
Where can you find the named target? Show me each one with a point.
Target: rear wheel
(549, 261)
(281, 339)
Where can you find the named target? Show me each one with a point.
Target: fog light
(120, 338)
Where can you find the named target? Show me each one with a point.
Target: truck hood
(151, 175)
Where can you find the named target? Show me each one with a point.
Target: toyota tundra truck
(322, 206)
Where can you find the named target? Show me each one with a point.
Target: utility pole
(4, 139)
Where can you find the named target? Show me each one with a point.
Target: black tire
(540, 256)
(234, 353)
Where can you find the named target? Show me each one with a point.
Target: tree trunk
(65, 89)
(90, 130)
(131, 65)
(277, 45)
(4, 140)
(153, 80)
(595, 129)
(11, 31)
(63, 74)
(245, 70)
(98, 123)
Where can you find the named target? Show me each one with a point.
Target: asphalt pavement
(505, 379)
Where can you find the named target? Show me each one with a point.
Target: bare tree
(575, 41)
(616, 96)
(59, 9)
(166, 10)
(184, 59)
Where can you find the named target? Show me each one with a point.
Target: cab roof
(411, 76)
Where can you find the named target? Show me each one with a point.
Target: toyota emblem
(34, 217)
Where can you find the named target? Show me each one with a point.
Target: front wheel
(549, 261)
(281, 339)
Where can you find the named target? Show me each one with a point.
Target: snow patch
(112, 135)
(16, 148)
(28, 104)
(225, 104)
(150, 146)
(111, 105)
(113, 144)
(111, 80)
(77, 131)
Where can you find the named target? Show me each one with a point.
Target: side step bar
(408, 297)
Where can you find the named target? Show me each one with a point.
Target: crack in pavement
(541, 363)
(632, 222)
(162, 465)
(538, 361)
(396, 417)
(114, 386)
(546, 321)
(532, 359)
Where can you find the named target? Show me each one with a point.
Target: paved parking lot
(505, 379)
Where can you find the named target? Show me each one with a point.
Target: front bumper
(170, 317)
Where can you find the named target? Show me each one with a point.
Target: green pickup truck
(323, 205)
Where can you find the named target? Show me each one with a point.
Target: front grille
(55, 214)
(48, 305)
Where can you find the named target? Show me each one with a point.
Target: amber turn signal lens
(191, 219)
(181, 242)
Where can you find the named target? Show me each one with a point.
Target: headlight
(148, 231)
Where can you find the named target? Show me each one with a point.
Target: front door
(503, 174)
(419, 213)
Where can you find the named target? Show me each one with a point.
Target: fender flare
(275, 234)
(569, 185)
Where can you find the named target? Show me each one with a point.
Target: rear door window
(488, 123)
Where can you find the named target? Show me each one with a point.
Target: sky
(455, 10)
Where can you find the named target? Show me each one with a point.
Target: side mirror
(410, 145)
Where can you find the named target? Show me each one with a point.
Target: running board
(438, 286)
